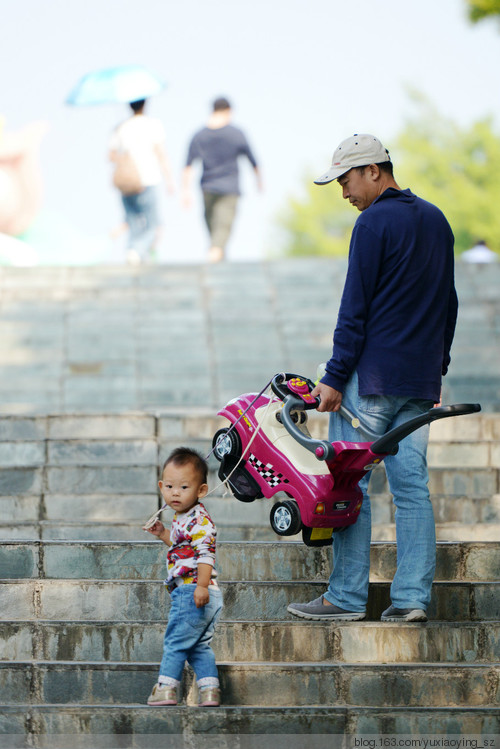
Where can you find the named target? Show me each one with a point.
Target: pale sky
(301, 76)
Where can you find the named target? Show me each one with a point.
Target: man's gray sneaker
(392, 614)
(318, 610)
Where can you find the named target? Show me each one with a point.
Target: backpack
(126, 176)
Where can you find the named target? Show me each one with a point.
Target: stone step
(465, 510)
(267, 561)
(235, 641)
(226, 510)
(122, 726)
(143, 451)
(105, 531)
(58, 451)
(447, 532)
(102, 338)
(455, 482)
(119, 518)
(136, 480)
(200, 424)
(89, 600)
(21, 447)
(261, 684)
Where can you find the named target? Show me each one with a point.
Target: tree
(319, 224)
(456, 168)
(479, 9)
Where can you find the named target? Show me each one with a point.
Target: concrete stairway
(82, 625)
(120, 338)
(94, 477)
(110, 368)
(82, 605)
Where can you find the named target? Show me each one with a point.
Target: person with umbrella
(137, 148)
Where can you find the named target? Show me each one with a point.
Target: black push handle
(321, 448)
(389, 441)
(386, 444)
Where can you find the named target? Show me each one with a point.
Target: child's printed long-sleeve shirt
(193, 538)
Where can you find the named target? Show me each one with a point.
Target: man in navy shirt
(391, 347)
(219, 146)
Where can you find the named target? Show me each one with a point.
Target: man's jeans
(142, 219)
(415, 530)
(189, 634)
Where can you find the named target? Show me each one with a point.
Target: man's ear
(374, 172)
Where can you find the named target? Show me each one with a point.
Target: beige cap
(359, 150)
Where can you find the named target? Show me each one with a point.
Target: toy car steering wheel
(286, 384)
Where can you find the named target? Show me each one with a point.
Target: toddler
(196, 599)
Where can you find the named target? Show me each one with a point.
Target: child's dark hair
(181, 456)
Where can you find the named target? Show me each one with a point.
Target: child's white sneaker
(209, 697)
(163, 694)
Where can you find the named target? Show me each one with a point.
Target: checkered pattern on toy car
(267, 472)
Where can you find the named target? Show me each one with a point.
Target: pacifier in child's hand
(153, 519)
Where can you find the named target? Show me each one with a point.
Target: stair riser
(457, 481)
(260, 685)
(136, 452)
(117, 601)
(485, 532)
(448, 532)
(471, 455)
(359, 686)
(248, 641)
(226, 511)
(120, 324)
(447, 509)
(119, 727)
(110, 479)
(276, 561)
(201, 424)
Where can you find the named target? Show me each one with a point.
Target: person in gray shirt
(218, 146)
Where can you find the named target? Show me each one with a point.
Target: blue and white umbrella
(125, 83)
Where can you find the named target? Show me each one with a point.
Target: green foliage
(319, 225)
(479, 9)
(457, 169)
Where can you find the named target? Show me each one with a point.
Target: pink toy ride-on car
(268, 449)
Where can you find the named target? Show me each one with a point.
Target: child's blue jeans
(189, 633)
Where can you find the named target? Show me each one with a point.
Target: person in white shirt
(480, 253)
(141, 139)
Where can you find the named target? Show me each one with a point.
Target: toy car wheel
(226, 443)
(285, 518)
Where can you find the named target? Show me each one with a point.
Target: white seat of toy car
(303, 460)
